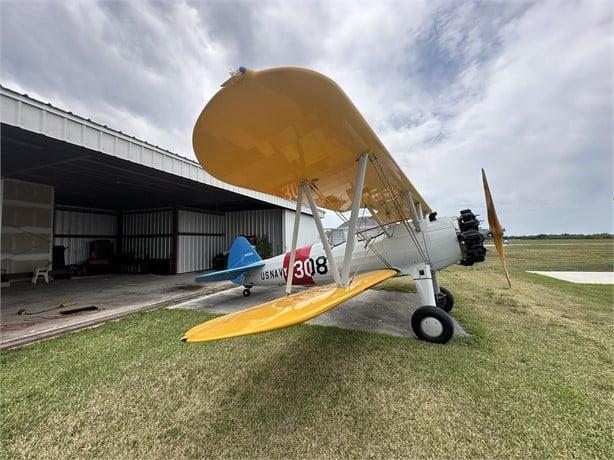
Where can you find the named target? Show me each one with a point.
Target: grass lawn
(534, 379)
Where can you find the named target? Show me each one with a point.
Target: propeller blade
(495, 227)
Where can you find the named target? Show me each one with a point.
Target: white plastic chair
(41, 271)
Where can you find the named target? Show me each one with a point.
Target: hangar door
(27, 226)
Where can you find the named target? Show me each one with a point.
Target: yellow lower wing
(285, 311)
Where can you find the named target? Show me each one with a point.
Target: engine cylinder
(470, 238)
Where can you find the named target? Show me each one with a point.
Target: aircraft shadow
(292, 385)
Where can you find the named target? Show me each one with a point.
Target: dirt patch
(15, 326)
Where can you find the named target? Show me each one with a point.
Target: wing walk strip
(285, 311)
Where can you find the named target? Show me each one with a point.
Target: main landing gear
(431, 322)
(444, 299)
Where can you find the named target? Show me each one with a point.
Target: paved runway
(581, 277)
(374, 311)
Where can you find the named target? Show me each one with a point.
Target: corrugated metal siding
(195, 252)
(71, 222)
(261, 222)
(200, 222)
(74, 222)
(340, 235)
(148, 233)
(307, 234)
(154, 222)
(158, 247)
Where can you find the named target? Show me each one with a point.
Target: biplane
(293, 133)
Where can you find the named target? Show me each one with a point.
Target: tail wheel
(432, 324)
(445, 300)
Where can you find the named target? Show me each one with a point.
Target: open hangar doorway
(116, 203)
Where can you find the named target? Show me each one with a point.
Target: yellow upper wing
(273, 129)
(285, 311)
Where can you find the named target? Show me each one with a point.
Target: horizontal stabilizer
(227, 275)
(285, 311)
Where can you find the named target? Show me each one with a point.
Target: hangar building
(102, 197)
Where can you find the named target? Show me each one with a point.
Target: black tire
(445, 300)
(246, 292)
(432, 324)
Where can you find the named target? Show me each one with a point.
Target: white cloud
(543, 127)
(522, 89)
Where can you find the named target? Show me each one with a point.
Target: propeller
(495, 227)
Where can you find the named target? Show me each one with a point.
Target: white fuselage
(437, 240)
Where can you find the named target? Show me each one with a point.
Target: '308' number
(310, 267)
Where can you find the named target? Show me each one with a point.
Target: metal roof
(29, 114)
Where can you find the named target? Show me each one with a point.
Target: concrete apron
(385, 312)
(580, 277)
(117, 296)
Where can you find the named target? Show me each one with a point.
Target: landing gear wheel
(445, 300)
(432, 324)
(246, 292)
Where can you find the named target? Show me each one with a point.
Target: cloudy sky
(522, 89)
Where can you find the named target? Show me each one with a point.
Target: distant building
(339, 235)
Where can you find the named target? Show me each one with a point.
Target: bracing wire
(379, 255)
(389, 189)
(393, 198)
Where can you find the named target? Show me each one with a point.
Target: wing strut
(420, 212)
(297, 223)
(415, 216)
(306, 189)
(379, 221)
(351, 239)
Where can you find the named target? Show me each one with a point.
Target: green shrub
(264, 248)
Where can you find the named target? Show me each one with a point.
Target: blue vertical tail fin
(242, 253)
(242, 258)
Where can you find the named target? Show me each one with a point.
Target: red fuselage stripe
(304, 267)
